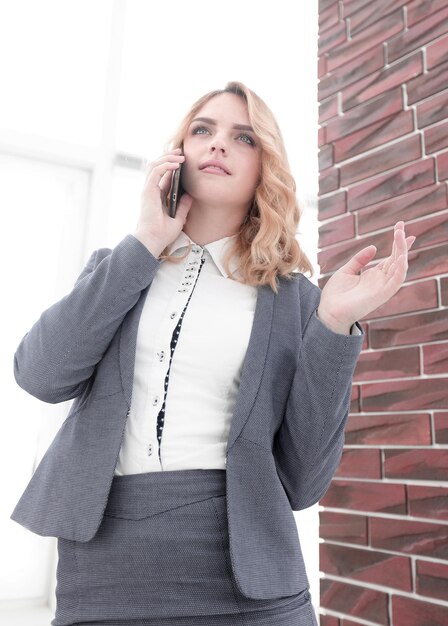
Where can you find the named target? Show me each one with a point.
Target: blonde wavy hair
(266, 243)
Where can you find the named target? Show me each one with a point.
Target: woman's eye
(199, 128)
(250, 139)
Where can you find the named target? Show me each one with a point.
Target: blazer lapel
(253, 364)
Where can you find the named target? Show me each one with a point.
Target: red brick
(350, 72)
(435, 357)
(381, 81)
(442, 166)
(405, 395)
(430, 231)
(421, 328)
(348, 528)
(360, 464)
(355, 406)
(416, 464)
(329, 206)
(437, 52)
(430, 83)
(325, 157)
(328, 180)
(392, 184)
(371, 37)
(331, 37)
(324, 4)
(432, 110)
(321, 136)
(385, 429)
(328, 16)
(328, 109)
(417, 34)
(321, 66)
(382, 364)
(354, 600)
(353, 6)
(436, 137)
(410, 612)
(361, 17)
(366, 565)
(432, 579)
(425, 201)
(420, 9)
(361, 496)
(444, 290)
(409, 537)
(337, 230)
(389, 157)
(431, 502)
(441, 427)
(328, 620)
(373, 135)
(385, 105)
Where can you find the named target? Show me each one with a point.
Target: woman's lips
(214, 170)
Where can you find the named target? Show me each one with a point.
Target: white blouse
(192, 338)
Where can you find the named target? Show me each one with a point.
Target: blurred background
(90, 91)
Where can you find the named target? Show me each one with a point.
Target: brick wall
(383, 138)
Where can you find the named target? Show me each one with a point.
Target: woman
(200, 321)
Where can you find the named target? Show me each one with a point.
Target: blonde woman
(211, 383)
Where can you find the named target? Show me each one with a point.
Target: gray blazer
(287, 430)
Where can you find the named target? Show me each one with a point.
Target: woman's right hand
(155, 228)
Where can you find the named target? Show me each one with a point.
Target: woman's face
(237, 149)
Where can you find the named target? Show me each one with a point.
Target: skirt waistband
(134, 496)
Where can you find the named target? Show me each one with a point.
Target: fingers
(161, 169)
(397, 271)
(400, 247)
(399, 226)
(409, 241)
(152, 186)
(396, 265)
(165, 182)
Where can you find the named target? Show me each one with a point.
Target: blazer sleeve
(56, 358)
(308, 444)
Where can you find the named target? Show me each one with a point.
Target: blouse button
(173, 315)
(156, 400)
(161, 355)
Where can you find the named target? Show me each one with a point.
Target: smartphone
(175, 192)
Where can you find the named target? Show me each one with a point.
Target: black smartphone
(175, 192)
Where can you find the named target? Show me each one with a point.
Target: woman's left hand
(348, 295)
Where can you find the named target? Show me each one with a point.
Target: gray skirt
(161, 558)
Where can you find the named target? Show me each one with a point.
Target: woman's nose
(218, 143)
(214, 147)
